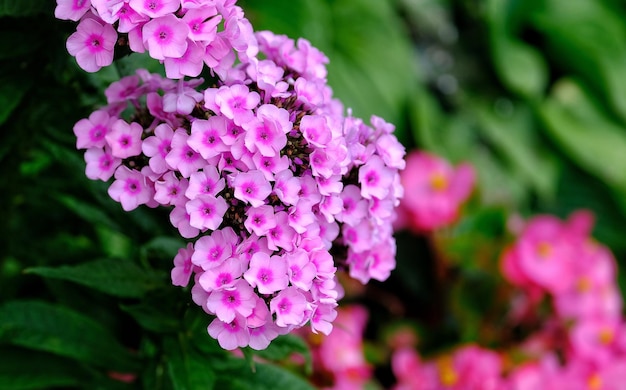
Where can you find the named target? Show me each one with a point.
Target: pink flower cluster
(560, 261)
(579, 344)
(435, 191)
(275, 188)
(183, 34)
(339, 358)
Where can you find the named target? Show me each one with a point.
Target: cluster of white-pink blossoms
(274, 187)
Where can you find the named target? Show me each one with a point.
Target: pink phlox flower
(267, 274)
(262, 336)
(227, 302)
(260, 314)
(269, 78)
(308, 190)
(165, 36)
(154, 102)
(287, 187)
(309, 93)
(240, 34)
(260, 219)
(170, 190)
(329, 231)
(189, 64)
(375, 178)
(322, 164)
(252, 187)
(301, 216)
(375, 263)
(354, 206)
(71, 9)
(322, 318)
(267, 133)
(202, 23)
(130, 188)
(236, 102)
(101, 164)
(179, 218)
(205, 182)
(206, 136)
(182, 157)
(125, 139)
(229, 163)
(128, 19)
(282, 235)
(135, 40)
(219, 56)
(315, 130)
(313, 61)
(300, 269)
(91, 132)
(182, 266)
(324, 264)
(92, 44)
(158, 146)
(253, 244)
(224, 276)
(183, 100)
(155, 8)
(230, 335)
(328, 186)
(289, 306)
(211, 251)
(124, 89)
(391, 151)
(325, 290)
(206, 211)
(270, 165)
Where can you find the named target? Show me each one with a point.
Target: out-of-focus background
(531, 92)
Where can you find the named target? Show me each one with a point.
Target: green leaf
(265, 377)
(592, 140)
(21, 369)
(188, 370)
(121, 278)
(88, 212)
(284, 346)
(520, 67)
(13, 88)
(25, 7)
(157, 312)
(61, 331)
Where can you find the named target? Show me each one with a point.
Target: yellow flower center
(605, 336)
(438, 181)
(594, 382)
(543, 250)
(583, 285)
(447, 374)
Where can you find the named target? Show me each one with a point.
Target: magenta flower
(267, 274)
(300, 269)
(282, 235)
(125, 139)
(236, 103)
(223, 276)
(375, 178)
(92, 44)
(165, 36)
(252, 187)
(267, 133)
(182, 157)
(211, 251)
(189, 64)
(230, 335)
(260, 219)
(435, 190)
(315, 130)
(206, 211)
(206, 136)
(182, 266)
(71, 9)
(158, 146)
(130, 188)
(202, 23)
(101, 164)
(123, 89)
(262, 336)
(289, 306)
(91, 132)
(205, 182)
(179, 218)
(226, 303)
(170, 190)
(155, 8)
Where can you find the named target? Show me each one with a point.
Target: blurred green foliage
(532, 92)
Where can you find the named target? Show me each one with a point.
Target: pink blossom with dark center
(206, 211)
(71, 9)
(211, 251)
(226, 303)
(260, 219)
(206, 136)
(154, 8)
(91, 132)
(267, 274)
(92, 44)
(130, 188)
(289, 307)
(252, 187)
(205, 182)
(224, 276)
(165, 36)
(101, 164)
(230, 335)
(170, 190)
